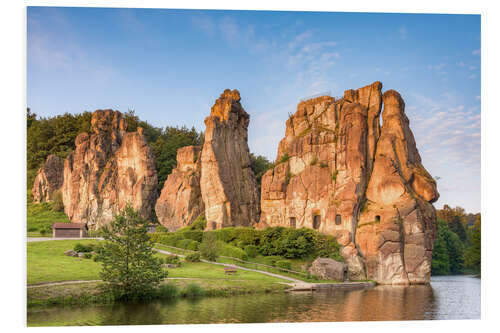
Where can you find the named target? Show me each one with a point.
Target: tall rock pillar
(228, 185)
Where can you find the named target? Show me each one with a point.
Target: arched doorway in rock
(338, 219)
(214, 225)
(316, 221)
(293, 222)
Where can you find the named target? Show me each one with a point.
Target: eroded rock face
(334, 162)
(108, 170)
(180, 202)
(397, 225)
(48, 179)
(228, 185)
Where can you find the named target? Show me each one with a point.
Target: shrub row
(228, 250)
(176, 240)
(245, 242)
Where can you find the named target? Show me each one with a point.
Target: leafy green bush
(224, 249)
(57, 202)
(326, 246)
(94, 233)
(79, 247)
(248, 235)
(172, 259)
(225, 235)
(45, 230)
(268, 240)
(193, 290)
(184, 243)
(196, 235)
(193, 257)
(283, 158)
(199, 224)
(286, 264)
(209, 246)
(156, 236)
(87, 255)
(241, 244)
(170, 239)
(297, 243)
(251, 251)
(193, 245)
(168, 290)
(271, 260)
(161, 228)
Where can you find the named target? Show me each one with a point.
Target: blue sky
(170, 66)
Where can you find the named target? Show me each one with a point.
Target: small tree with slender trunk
(208, 247)
(128, 263)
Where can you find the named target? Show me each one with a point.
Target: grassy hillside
(40, 217)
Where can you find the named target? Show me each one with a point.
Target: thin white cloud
(205, 24)
(403, 33)
(476, 52)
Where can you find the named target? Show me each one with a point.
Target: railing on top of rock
(324, 93)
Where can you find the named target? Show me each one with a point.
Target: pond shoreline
(67, 293)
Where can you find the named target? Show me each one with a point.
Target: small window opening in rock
(338, 219)
(377, 218)
(293, 222)
(214, 225)
(316, 221)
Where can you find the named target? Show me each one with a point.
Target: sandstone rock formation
(397, 224)
(180, 202)
(228, 185)
(108, 170)
(48, 179)
(338, 172)
(328, 269)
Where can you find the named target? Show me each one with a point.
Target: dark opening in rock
(293, 222)
(316, 221)
(338, 219)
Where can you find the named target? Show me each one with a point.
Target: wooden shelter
(70, 230)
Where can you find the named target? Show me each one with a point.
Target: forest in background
(457, 248)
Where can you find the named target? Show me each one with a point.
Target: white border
(13, 166)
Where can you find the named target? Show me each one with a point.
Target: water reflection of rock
(381, 303)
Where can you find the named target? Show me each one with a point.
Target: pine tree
(128, 263)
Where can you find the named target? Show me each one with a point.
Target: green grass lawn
(41, 215)
(209, 271)
(47, 262)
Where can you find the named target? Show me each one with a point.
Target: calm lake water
(447, 297)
